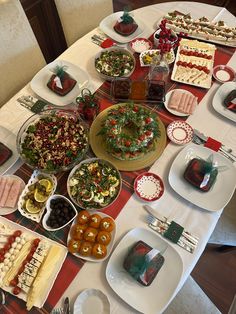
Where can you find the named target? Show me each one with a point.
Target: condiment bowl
(59, 215)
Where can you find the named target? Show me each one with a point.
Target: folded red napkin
(213, 144)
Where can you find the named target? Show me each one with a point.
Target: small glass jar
(159, 69)
(88, 105)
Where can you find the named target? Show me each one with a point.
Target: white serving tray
(49, 281)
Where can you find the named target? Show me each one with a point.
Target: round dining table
(198, 221)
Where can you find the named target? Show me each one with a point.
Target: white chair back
(78, 17)
(20, 55)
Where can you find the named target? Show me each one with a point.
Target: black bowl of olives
(60, 212)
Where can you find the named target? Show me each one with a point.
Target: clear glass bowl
(53, 141)
(109, 67)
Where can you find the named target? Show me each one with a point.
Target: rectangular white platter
(201, 47)
(49, 281)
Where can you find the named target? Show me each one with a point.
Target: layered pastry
(201, 174)
(143, 263)
(201, 28)
(125, 25)
(61, 82)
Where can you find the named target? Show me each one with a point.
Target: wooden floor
(215, 272)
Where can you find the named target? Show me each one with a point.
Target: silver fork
(154, 221)
(161, 227)
(58, 310)
(224, 152)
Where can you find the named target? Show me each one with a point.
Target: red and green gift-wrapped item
(61, 82)
(230, 101)
(143, 263)
(125, 25)
(201, 173)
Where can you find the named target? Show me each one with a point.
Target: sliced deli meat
(10, 190)
(182, 101)
(6, 192)
(13, 194)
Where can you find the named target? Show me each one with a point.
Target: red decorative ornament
(167, 39)
(88, 105)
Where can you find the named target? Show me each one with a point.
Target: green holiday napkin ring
(172, 231)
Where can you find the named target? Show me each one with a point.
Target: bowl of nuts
(60, 212)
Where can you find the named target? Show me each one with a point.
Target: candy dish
(62, 216)
(224, 73)
(92, 301)
(139, 45)
(52, 130)
(180, 132)
(148, 186)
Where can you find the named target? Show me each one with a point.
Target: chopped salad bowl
(94, 184)
(53, 141)
(114, 62)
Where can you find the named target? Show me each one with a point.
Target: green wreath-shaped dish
(130, 131)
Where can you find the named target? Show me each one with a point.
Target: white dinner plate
(222, 190)
(8, 210)
(40, 80)
(92, 301)
(175, 112)
(106, 25)
(109, 246)
(219, 97)
(8, 139)
(154, 298)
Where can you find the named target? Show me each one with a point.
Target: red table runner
(72, 265)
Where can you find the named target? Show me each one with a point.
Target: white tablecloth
(198, 221)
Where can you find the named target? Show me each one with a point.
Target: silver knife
(66, 307)
(225, 151)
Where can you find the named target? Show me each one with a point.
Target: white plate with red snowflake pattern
(148, 186)
(180, 132)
